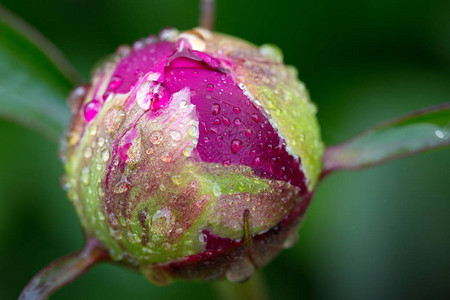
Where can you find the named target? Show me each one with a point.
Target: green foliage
(34, 80)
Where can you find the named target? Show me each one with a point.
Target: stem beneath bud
(253, 289)
(63, 271)
(207, 14)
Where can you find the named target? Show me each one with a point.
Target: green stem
(253, 289)
(63, 271)
(207, 14)
(410, 134)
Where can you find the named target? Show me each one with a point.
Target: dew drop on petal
(215, 109)
(121, 187)
(290, 241)
(187, 151)
(156, 137)
(217, 191)
(114, 119)
(105, 155)
(166, 157)
(236, 145)
(257, 161)
(115, 82)
(226, 121)
(85, 173)
(91, 110)
(226, 163)
(256, 118)
(87, 152)
(193, 131)
(175, 135)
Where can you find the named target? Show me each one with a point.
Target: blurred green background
(382, 233)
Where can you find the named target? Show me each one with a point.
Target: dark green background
(377, 234)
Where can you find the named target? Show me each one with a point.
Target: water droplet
(210, 87)
(85, 175)
(166, 157)
(152, 95)
(226, 163)
(256, 118)
(290, 241)
(215, 109)
(440, 134)
(201, 238)
(257, 161)
(112, 220)
(237, 122)
(105, 155)
(91, 110)
(139, 44)
(100, 141)
(217, 191)
(87, 152)
(203, 127)
(115, 82)
(76, 96)
(156, 137)
(121, 187)
(240, 270)
(64, 183)
(176, 179)
(179, 230)
(168, 34)
(236, 110)
(187, 151)
(175, 135)
(101, 193)
(122, 51)
(272, 52)
(114, 119)
(162, 221)
(226, 121)
(193, 131)
(236, 145)
(150, 151)
(248, 133)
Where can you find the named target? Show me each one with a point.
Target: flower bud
(192, 155)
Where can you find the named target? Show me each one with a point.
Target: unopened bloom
(192, 155)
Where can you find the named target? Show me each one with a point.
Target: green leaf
(35, 78)
(413, 133)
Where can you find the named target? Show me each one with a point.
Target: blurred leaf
(413, 133)
(35, 78)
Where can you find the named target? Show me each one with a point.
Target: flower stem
(413, 133)
(63, 271)
(253, 289)
(207, 14)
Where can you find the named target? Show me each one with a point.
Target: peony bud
(193, 155)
